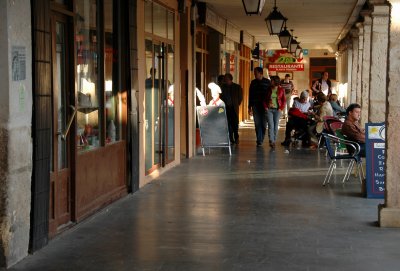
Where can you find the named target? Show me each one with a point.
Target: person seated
(298, 118)
(352, 129)
(337, 109)
(215, 92)
(325, 109)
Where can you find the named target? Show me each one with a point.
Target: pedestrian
(232, 96)
(220, 80)
(276, 102)
(257, 94)
(288, 86)
(323, 85)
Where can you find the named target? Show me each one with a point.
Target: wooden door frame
(62, 220)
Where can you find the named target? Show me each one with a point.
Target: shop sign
(286, 67)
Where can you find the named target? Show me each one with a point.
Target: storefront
(160, 86)
(80, 126)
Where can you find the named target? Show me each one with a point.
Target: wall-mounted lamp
(298, 51)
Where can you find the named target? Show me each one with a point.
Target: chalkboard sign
(375, 154)
(213, 127)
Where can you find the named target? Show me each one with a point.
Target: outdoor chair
(329, 123)
(352, 155)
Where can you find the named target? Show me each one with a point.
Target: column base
(388, 217)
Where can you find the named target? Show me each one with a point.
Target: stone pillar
(360, 27)
(389, 212)
(379, 60)
(15, 129)
(366, 63)
(354, 68)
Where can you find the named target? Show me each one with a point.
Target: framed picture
(283, 74)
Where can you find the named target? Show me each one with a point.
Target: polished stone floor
(256, 210)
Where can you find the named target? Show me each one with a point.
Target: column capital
(366, 13)
(355, 33)
(377, 2)
(380, 10)
(360, 27)
(367, 19)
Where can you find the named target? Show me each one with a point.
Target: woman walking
(276, 102)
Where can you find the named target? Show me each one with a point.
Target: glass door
(159, 105)
(63, 114)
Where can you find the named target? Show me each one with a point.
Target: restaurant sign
(286, 67)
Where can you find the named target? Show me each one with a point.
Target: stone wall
(15, 129)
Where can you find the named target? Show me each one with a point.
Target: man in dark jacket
(232, 96)
(257, 96)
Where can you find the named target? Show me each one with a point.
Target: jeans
(273, 123)
(259, 123)
(288, 99)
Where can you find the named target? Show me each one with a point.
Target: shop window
(99, 100)
(148, 16)
(112, 96)
(88, 124)
(160, 21)
(170, 26)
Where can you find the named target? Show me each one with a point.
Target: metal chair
(329, 122)
(331, 143)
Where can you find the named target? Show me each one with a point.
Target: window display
(99, 102)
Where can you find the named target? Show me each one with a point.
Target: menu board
(213, 127)
(375, 154)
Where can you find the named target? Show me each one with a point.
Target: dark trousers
(233, 123)
(298, 124)
(260, 123)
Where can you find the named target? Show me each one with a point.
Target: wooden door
(60, 162)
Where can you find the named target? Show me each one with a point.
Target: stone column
(360, 27)
(354, 68)
(366, 67)
(379, 60)
(389, 212)
(15, 130)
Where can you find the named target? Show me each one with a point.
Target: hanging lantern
(275, 21)
(285, 38)
(252, 7)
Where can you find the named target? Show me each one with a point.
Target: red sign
(286, 67)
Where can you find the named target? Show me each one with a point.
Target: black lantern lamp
(285, 38)
(275, 21)
(293, 45)
(253, 6)
(298, 51)
(256, 52)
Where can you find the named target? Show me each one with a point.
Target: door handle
(66, 130)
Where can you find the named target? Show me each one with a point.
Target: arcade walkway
(256, 210)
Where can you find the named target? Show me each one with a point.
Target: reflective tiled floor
(256, 210)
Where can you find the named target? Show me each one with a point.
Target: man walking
(232, 96)
(257, 100)
(288, 86)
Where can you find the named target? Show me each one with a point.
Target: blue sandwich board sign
(375, 154)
